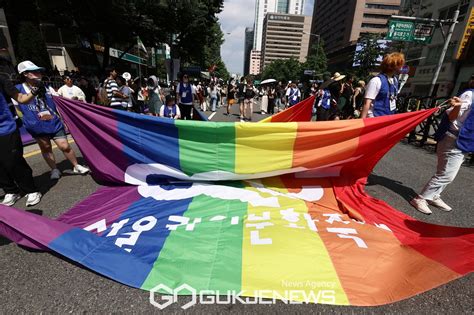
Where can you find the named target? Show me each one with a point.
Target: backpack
(102, 97)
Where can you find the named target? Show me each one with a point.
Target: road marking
(212, 115)
(27, 155)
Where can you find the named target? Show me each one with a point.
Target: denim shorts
(61, 134)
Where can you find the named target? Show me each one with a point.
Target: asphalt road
(34, 282)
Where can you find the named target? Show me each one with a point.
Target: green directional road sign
(423, 33)
(400, 30)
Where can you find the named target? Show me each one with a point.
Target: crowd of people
(336, 98)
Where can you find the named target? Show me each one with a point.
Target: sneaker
(438, 203)
(421, 205)
(10, 199)
(55, 174)
(33, 199)
(79, 169)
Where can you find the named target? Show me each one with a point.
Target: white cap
(127, 76)
(28, 66)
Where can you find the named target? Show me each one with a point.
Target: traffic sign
(400, 30)
(405, 69)
(423, 32)
(309, 72)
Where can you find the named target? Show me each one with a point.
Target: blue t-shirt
(35, 126)
(7, 121)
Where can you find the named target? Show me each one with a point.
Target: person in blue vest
(41, 119)
(186, 93)
(170, 109)
(15, 173)
(293, 95)
(324, 104)
(455, 138)
(381, 92)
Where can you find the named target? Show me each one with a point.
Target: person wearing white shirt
(70, 91)
(293, 95)
(381, 93)
(455, 139)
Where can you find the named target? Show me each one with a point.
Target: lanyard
(392, 90)
(40, 104)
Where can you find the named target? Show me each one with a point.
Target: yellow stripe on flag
(296, 265)
(264, 147)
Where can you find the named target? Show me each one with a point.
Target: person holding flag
(42, 121)
(455, 137)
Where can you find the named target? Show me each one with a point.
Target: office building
(247, 49)
(341, 23)
(254, 62)
(263, 7)
(458, 63)
(285, 36)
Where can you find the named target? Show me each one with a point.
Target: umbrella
(267, 81)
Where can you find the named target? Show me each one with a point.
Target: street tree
(283, 70)
(316, 59)
(188, 26)
(367, 58)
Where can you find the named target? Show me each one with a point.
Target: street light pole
(319, 39)
(443, 52)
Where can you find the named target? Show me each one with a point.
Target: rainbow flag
(273, 210)
(302, 111)
(120, 147)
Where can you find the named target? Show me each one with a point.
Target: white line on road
(212, 115)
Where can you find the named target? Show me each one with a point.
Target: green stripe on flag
(204, 149)
(210, 256)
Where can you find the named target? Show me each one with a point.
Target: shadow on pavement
(44, 183)
(406, 192)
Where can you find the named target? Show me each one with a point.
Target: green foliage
(283, 70)
(292, 69)
(30, 45)
(316, 59)
(190, 27)
(367, 56)
(221, 70)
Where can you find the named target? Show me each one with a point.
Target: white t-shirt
(162, 111)
(71, 92)
(373, 89)
(296, 93)
(193, 91)
(466, 99)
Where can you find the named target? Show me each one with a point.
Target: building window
(372, 25)
(382, 6)
(376, 16)
(447, 13)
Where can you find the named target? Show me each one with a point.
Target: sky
(234, 18)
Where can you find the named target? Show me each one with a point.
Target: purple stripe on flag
(92, 126)
(28, 229)
(106, 203)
